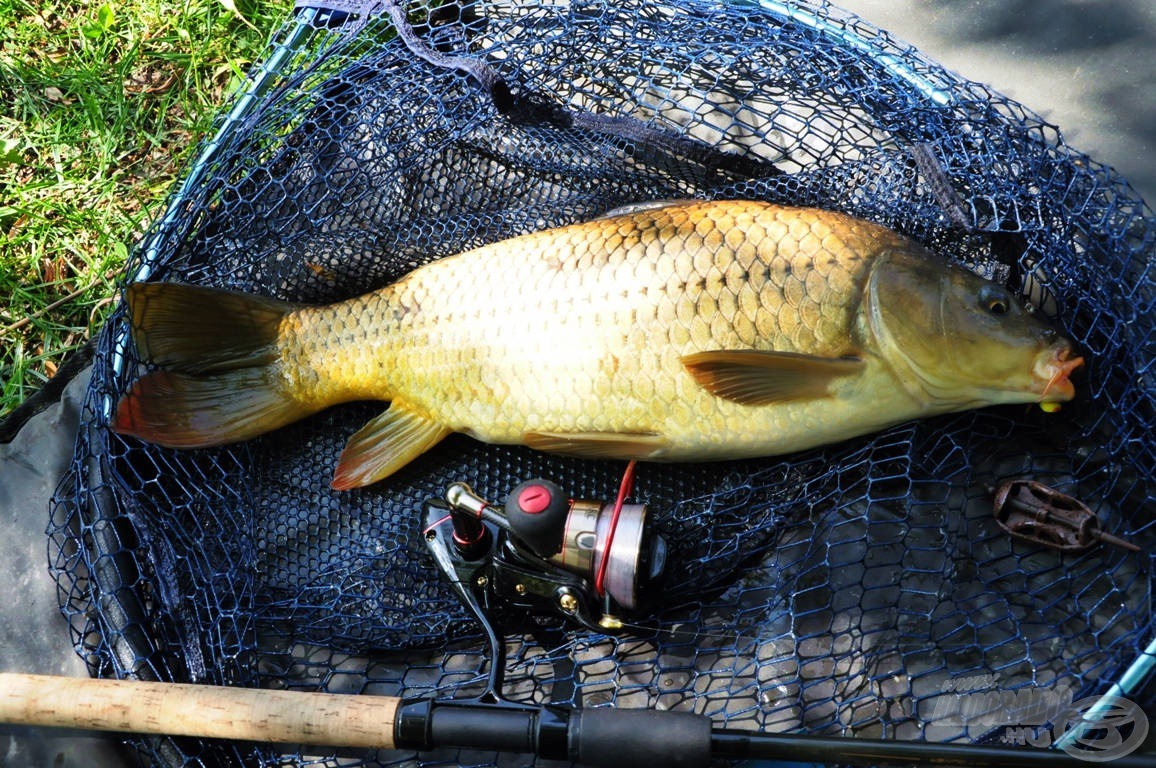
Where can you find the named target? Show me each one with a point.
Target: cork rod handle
(180, 709)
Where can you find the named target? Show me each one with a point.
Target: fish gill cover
(846, 590)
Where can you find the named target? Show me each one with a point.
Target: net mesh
(851, 590)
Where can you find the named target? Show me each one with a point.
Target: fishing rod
(583, 561)
(605, 737)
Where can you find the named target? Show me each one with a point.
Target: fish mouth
(1052, 374)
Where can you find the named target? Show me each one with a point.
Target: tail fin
(219, 348)
(193, 329)
(183, 411)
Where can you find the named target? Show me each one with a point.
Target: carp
(687, 331)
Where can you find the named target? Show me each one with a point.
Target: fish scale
(682, 331)
(609, 299)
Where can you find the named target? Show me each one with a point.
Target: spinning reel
(543, 553)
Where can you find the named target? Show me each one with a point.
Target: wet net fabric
(850, 590)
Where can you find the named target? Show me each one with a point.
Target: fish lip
(1053, 371)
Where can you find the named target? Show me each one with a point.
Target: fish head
(960, 341)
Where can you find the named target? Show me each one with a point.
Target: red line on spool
(624, 490)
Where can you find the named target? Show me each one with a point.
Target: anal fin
(598, 445)
(385, 445)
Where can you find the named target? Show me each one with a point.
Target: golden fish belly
(584, 330)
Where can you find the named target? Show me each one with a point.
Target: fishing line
(625, 488)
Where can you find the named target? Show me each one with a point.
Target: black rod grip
(503, 727)
(621, 738)
(484, 727)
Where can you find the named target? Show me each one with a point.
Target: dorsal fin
(648, 205)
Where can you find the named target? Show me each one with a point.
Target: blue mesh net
(846, 590)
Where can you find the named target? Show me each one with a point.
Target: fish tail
(218, 351)
(193, 329)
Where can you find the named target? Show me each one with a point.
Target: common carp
(687, 331)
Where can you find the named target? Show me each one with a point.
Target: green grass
(101, 104)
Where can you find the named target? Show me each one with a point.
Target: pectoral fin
(598, 445)
(385, 445)
(752, 377)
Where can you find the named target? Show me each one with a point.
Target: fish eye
(995, 300)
